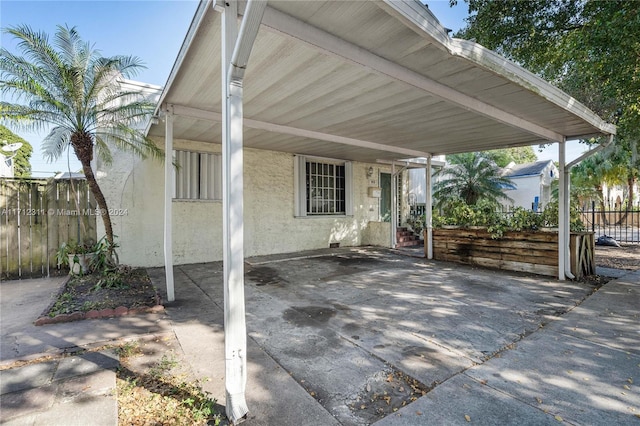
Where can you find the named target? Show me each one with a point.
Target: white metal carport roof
(371, 80)
(354, 80)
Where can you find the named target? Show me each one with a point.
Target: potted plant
(76, 256)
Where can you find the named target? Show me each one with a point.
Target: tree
(590, 49)
(472, 178)
(22, 166)
(68, 84)
(502, 157)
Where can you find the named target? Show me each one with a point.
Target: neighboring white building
(533, 183)
(616, 197)
(6, 170)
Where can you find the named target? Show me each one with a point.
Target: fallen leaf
(467, 417)
(419, 413)
(539, 400)
(362, 407)
(630, 380)
(368, 387)
(627, 387)
(558, 418)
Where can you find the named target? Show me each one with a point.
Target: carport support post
(394, 206)
(235, 330)
(236, 49)
(428, 219)
(562, 243)
(168, 200)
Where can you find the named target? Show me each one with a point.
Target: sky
(152, 30)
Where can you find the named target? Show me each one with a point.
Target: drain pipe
(564, 212)
(236, 50)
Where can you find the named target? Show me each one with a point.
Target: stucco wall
(527, 188)
(270, 225)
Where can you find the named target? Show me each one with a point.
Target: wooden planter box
(535, 252)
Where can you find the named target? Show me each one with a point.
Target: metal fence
(36, 217)
(621, 225)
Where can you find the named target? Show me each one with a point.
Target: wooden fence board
(37, 217)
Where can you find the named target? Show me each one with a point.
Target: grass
(158, 395)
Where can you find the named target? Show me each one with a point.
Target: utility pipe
(562, 235)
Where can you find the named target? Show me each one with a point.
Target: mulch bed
(90, 297)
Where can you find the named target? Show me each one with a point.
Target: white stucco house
(532, 184)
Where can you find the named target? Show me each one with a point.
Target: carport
(371, 81)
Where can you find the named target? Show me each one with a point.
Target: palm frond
(56, 142)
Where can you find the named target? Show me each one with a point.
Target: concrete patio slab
(463, 401)
(356, 337)
(344, 325)
(582, 382)
(610, 317)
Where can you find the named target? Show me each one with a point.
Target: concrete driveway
(373, 336)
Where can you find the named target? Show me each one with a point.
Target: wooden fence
(36, 217)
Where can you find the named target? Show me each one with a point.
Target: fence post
(593, 216)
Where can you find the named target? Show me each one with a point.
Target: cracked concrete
(337, 321)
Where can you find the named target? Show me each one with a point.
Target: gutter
(566, 168)
(591, 152)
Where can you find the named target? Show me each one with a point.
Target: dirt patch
(625, 257)
(386, 393)
(92, 292)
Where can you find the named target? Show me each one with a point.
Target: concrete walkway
(55, 390)
(332, 331)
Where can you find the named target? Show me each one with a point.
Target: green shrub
(458, 213)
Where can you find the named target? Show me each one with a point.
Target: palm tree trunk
(82, 143)
(100, 200)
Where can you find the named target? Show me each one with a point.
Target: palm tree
(69, 86)
(472, 178)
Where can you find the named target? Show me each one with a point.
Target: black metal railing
(622, 225)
